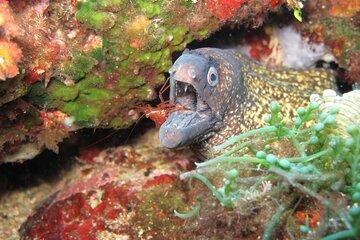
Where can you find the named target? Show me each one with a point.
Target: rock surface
(94, 61)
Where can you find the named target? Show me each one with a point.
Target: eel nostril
(172, 71)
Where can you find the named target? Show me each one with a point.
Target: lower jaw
(183, 127)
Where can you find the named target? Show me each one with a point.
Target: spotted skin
(246, 89)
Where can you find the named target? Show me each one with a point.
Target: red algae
(352, 74)
(76, 218)
(88, 155)
(160, 180)
(259, 47)
(274, 3)
(224, 9)
(127, 192)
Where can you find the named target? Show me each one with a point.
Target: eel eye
(213, 77)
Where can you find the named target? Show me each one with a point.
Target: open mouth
(185, 126)
(187, 96)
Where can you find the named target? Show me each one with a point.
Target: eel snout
(184, 126)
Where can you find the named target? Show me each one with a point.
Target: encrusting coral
(96, 60)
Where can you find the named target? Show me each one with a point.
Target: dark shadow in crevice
(49, 166)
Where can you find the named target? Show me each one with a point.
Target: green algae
(178, 34)
(108, 76)
(125, 84)
(89, 109)
(79, 66)
(95, 94)
(203, 33)
(189, 3)
(94, 81)
(62, 92)
(111, 4)
(98, 20)
(98, 54)
(84, 114)
(151, 8)
(144, 93)
(84, 100)
(38, 95)
(120, 122)
(156, 210)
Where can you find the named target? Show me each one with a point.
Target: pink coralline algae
(121, 194)
(10, 53)
(224, 9)
(77, 218)
(7, 20)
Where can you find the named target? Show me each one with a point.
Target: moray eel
(225, 93)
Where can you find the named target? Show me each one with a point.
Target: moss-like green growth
(150, 7)
(38, 95)
(125, 84)
(115, 5)
(86, 115)
(120, 122)
(136, 51)
(144, 93)
(178, 35)
(94, 81)
(156, 210)
(96, 94)
(98, 54)
(189, 3)
(62, 92)
(98, 20)
(79, 66)
(203, 33)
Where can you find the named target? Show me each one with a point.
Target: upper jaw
(188, 94)
(189, 124)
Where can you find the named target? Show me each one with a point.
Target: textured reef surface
(67, 65)
(89, 63)
(120, 193)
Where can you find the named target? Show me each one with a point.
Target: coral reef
(125, 192)
(95, 60)
(132, 192)
(336, 23)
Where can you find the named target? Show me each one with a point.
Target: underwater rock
(95, 60)
(336, 24)
(10, 54)
(130, 192)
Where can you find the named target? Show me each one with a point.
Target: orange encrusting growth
(224, 9)
(10, 56)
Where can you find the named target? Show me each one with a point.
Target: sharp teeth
(186, 86)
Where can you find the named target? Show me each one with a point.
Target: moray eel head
(194, 82)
